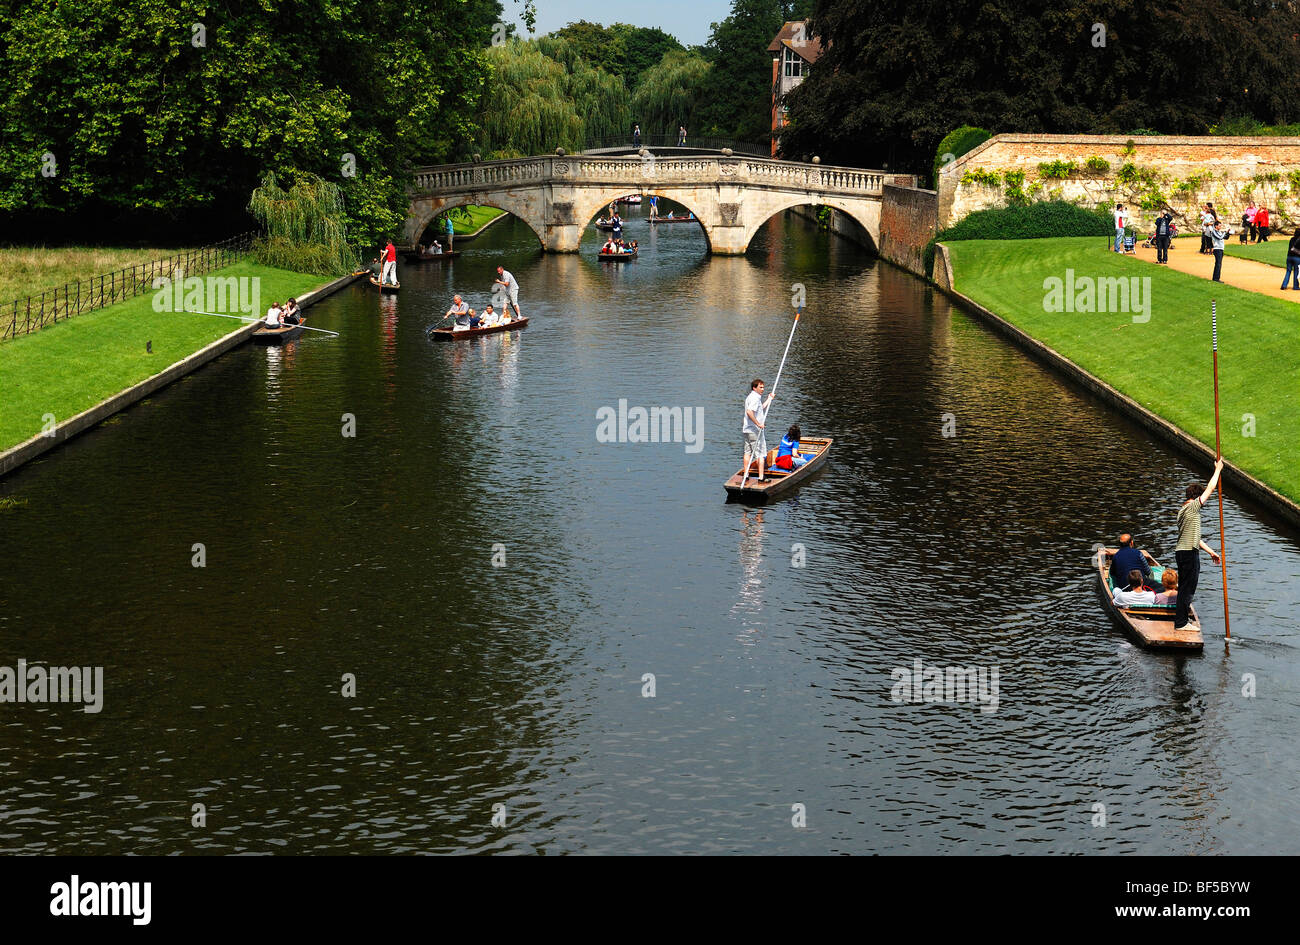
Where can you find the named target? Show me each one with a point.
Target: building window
(795, 66)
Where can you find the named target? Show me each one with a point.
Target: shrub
(1057, 170)
(1096, 165)
(1035, 221)
(981, 176)
(958, 142)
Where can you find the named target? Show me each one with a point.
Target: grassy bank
(1273, 252)
(73, 365)
(27, 270)
(479, 216)
(1163, 364)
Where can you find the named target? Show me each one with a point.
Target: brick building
(793, 52)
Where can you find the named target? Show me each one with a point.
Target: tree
(895, 76)
(171, 109)
(670, 92)
(737, 95)
(643, 49)
(622, 49)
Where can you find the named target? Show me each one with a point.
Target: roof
(809, 49)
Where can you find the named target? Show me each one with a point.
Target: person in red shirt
(1261, 223)
(390, 264)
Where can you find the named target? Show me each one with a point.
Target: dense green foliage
(956, 143)
(302, 227)
(622, 50)
(535, 103)
(670, 92)
(737, 93)
(1259, 343)
(897, 75)
(161, 109)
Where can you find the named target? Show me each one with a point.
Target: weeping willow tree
(303, 226)
(670, 92)
(535, 103)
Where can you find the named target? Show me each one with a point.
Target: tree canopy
(737, 94)
(897, 75)
(622, 49)
(175, 109)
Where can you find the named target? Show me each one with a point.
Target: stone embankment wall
(1144, 173)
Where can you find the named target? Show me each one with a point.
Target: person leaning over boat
(1189, 544)
(1141, 597)
(1128, 559)
(752, 427)
(511, 289)
(459, 310)
(787, 454)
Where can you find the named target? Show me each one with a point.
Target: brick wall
(907, 222)
(1232, 171)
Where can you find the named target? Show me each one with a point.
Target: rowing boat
(779, 480)
(276, 336)
(385, 286)
(1153, 626)
(674, 220)
(431, 257)
(457, 334)
(617, 257)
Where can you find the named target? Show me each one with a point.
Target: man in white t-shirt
(509, 288)
(752, 429)
(1136, 595)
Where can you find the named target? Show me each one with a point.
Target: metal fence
(763, 149)
(25, 315)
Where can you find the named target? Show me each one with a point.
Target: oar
(797, 313)
(1218, 454)
(248, 318)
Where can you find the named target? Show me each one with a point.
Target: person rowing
(459, 311)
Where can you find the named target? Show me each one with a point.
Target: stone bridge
(731, 195)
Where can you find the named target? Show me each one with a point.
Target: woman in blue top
(787, 454)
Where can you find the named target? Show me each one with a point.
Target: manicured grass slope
(478, 216)
(73, 365)
(1273, 252)
(1163, 364)
(27, 270)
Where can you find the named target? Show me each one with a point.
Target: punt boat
(459, 334)
(1153, 627)
(779, 480)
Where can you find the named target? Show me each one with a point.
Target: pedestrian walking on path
(1293, 262)
(1217, 235)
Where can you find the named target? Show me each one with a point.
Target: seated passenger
(490, 318)
(291, 315)
(787, 454)
(460, 311)
(436, 248)
(1134, 598)
(634, 246)
(273, 315)
(1128, 558)
(476, 320)
(1170, 581)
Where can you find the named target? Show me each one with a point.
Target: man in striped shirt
(1188, 551)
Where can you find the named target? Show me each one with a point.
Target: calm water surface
(522, 685)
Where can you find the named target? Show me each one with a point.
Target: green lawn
(1273, 252)
(73, 365)
(1165, 363)
(478, 217)
(27, 270)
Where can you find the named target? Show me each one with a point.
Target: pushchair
(1151, 240)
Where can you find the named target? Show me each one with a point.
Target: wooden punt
(451, 334)
(385, 286)
(607, 227)
(618, 257)
(276, 336)
(780, 481)
(431, 257)
(674, 219)
(1153, 627)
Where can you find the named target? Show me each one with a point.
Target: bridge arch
(596, 202)
(424, 210)
(866, 216)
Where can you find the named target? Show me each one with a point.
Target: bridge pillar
(562, 237)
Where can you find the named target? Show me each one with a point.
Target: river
(621, 568)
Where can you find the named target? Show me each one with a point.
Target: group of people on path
(506, 287)
(636, 136)
(1134, 573)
